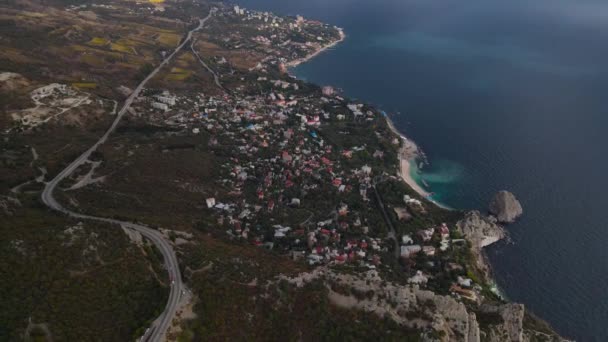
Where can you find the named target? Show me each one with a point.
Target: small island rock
(505, 207)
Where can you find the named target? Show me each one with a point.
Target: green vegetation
(84, 280)
(84, 85)
(234, 304)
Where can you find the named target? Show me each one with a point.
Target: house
(297, 255)
(408, 251)
(378, 154)
(327, 91)
(409, 200)
(313, 121)
(445, 244)
(425, 234)
(161, 106)
(428, 250)
(286, 157)
(242, 176)
(287, 134)
(419, 278)
(468, 294)
(402, 213)
(343, 210)
(244, 213)
(406, 240)
(210, 202)
(443, 231)
(165, 98)
(465, 282)
(366, 169)
(314, 259)
(341, 258)
(363, 189)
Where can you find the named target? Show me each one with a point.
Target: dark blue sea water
(500, 95)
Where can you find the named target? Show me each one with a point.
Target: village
(237, 184)
(300, 168)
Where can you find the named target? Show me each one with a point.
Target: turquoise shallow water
(499, 95)
(439, 178)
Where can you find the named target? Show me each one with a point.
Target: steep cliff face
(505, 207)
(439, 317)
(511, 328)
(481, 231)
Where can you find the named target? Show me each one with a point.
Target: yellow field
(185, 59)
(98, 41)
(129, 42)
(168, 39)
(179, 74)
(120, 48)
(157, 1)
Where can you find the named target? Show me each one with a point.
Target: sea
(499, 95)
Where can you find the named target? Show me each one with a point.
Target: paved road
(391, 229)
(216, 78)
(159, 326)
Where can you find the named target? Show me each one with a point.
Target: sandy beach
(407, 155)
(299, 61)
(404, 168)
(409, 150)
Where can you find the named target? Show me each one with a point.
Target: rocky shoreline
(455, 319)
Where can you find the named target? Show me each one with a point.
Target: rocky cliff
(481, 231)
(439, 317)
(505, 207)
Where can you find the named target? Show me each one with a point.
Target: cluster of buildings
(289, 182)
(274, 158)
(281, 38)
(425, 237)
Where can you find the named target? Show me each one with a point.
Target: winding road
(216, 78)
(157, 330)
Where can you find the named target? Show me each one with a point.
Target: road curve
(216, 78)
(159, 326)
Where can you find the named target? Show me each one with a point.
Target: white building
(407, 251)
(170, 100)
(328, 91)
(161, 106)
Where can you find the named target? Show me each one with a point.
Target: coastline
(407, 154)
(296, 62)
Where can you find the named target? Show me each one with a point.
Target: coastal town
(288, 147)
(280, 168)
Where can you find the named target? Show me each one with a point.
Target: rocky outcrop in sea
(505, 207)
